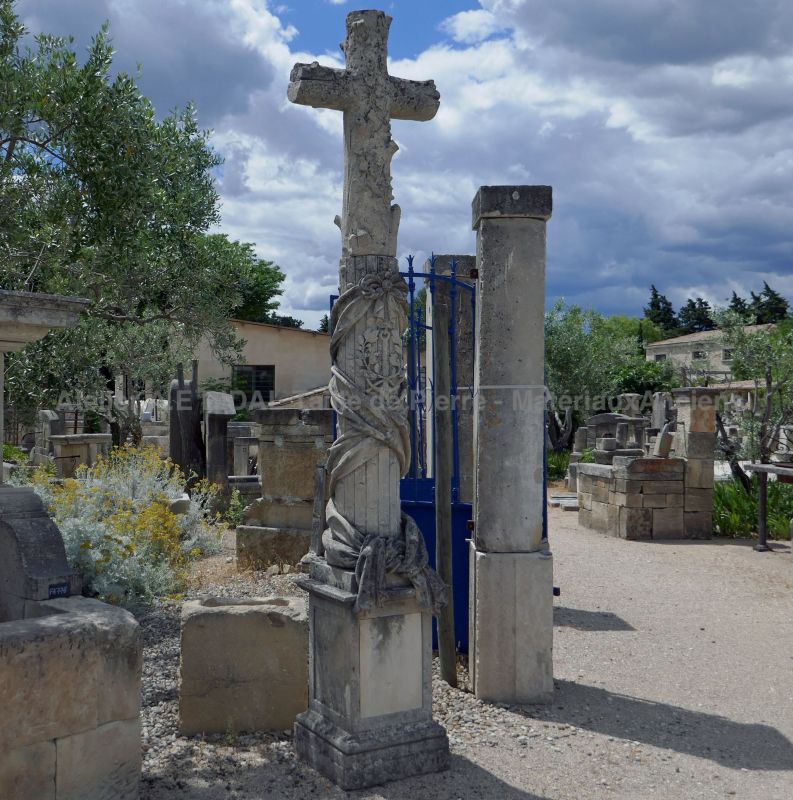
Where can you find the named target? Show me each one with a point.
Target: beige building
(702, 353)
(276, 361)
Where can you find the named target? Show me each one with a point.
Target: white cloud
(470, 27)
(663, 127)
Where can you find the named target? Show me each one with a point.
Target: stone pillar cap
(528, 202)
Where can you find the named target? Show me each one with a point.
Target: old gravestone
(372, 594)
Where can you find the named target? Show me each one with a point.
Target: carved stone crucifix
(370, 98)
(365, 531)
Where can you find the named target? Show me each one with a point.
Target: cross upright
(370, 98)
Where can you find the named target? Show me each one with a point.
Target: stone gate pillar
(511, 611)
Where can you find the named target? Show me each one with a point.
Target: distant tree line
(697, 315)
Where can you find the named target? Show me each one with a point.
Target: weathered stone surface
(628, 500)
(291, 514)
(259, 547)
(606, 443)
(663, 442)
(244, 664)
(523, 202)
(700, 473)
(699, 499)
(696, 408)
(596, 471)
(695, 445)
(100, 764)
(698, 524)
(655, 500)
(33, 562)
(40, 656)
(28, 316)
(665, 486)
(343, 734)
(668, 523)
(641, 468)
(28, 772)
(512, 622)
(636, 523)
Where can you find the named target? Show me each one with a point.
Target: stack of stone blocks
(278, 525)
(668, 495)
(70, 667)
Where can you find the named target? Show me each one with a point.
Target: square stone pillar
(218, 410)
(369, 717)
(511, 612)
(695, 440)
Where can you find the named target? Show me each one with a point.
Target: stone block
(607, 443)
(668, 523)
(585, 517)
(28, 773)
(40, 657)
(627, 486)
(585, 482)
(663, 487)
(700, 473)
(626, 500)
(635, 523)
(266, 512)
(699, 500)
(259, 548)
(244, 664)
(675, 500)
(697, 445)
(600, 492)
(585, 500)
(512, 627)
(656, 500)
(287, 467)
(101, 763)
(698, 524)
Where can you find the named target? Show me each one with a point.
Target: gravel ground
(673, 665)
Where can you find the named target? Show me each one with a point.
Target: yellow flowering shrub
(118, 527)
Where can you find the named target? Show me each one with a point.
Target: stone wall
(70, 695)
(641, 498)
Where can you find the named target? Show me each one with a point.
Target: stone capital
(499, 202)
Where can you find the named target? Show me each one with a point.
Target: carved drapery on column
(369, 394)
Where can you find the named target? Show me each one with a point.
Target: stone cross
(368, 388)
(370, 98)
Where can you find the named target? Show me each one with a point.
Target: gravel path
(673, 665)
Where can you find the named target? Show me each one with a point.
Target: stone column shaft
(511, 623)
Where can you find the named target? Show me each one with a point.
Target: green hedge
(735, 511)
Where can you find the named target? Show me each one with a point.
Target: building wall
(681, 354)
(301, 358)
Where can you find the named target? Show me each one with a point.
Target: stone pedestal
(511, 593)
(33, 562)
(218, 410)
(369, 718)
(512, 661)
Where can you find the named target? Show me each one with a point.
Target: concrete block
(698, 524)
(244, 664)
(101, 763)
(635, 523)
(28, 772)
(668, 523)
(259, 548)
(512, 631)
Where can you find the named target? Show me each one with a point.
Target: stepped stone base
(357, 760)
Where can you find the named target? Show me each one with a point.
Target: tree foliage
(100, 199)
(696, 316)
(661, 312)
(591, 358)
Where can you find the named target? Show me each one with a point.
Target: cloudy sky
(664, 127)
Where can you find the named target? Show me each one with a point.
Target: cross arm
(320, 87)
(417, 100)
